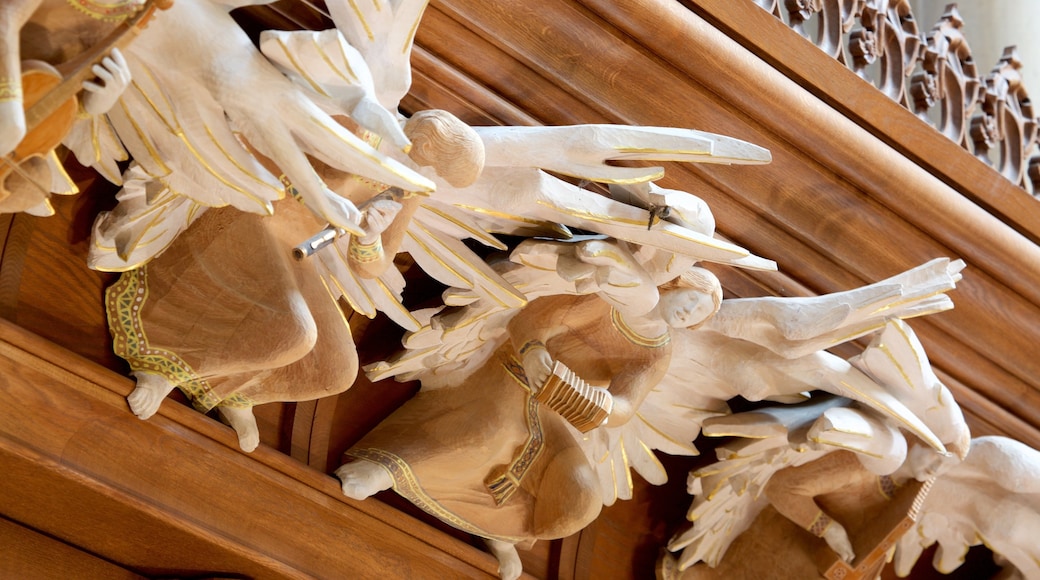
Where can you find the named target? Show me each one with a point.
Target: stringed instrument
(49, 95)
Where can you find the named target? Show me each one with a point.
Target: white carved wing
(794, 327)
(992, 497)
(668, 420)
(335, 75)
(514, 196)
(433, 240)
(201, 89)
(729, 494)
(382, 31)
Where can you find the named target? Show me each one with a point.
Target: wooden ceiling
(859, 189)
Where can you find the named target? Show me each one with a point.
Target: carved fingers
(113, 76)
(537, 364)
(838, 539)
(379, 215)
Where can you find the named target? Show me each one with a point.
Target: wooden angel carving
(203, 144)
(60, 69)
(484, 455)
(833, 468)
(227, 314)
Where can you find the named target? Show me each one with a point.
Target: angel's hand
(114, 76)
(537, 364)
(838, 539)
(335, 209)
(378, 216)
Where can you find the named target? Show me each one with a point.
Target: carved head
(691, 299)
(452, 148)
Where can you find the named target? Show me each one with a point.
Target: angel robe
(227, 316)
(485, 457)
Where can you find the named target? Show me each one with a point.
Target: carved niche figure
(831, 467)
(50, 52)
(236, 324)
(485, 456)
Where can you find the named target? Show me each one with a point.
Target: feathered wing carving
(991, 498)
(185, 121)
(382, 31)
(729, 493)
(795, 327)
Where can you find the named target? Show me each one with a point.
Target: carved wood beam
(173, 495)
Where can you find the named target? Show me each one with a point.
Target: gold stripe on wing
(478, 234)
(475, 268)
(659, 151)
(299, 69)
(335, 303)
(146, 142)
(338, 132)
(361, 19)
(408, 40)
(396, 301)
(332, 66)
(280, 191)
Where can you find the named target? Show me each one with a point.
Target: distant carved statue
(236, 324)
(51, 52)
(485, 456)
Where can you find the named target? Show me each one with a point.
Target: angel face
(684, 307)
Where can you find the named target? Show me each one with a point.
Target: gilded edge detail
(503, 481)
(124, 301)
(407, 486)
(633, 336)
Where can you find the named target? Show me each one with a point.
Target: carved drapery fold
(932, 74)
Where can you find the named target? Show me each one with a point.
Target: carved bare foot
(149, 394)
(509, 565)
(243, 422)
(363, 479)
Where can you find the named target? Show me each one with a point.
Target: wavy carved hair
(440, 140)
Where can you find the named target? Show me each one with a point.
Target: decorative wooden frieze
(933, 74)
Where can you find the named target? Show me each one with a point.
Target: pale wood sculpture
(800, 443)
(991, 498)
(202, 88)
(485, 456)
(52, 51)
(178, 172)
(236, 324)
(762, 348)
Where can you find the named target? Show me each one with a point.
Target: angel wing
(513, 194)
(668, 420)
(383, 32)
(794, 327)
(729, 494)
(992, 497)
(185, 121)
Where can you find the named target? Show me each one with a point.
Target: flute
(331, 233)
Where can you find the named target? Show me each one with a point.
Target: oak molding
(174, 494)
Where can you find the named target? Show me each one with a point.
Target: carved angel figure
(235, 325)
(58, 73)
(831, 467)
(761, 348)
(484, 455)
(991, 498)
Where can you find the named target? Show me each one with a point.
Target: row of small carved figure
(983, 113)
